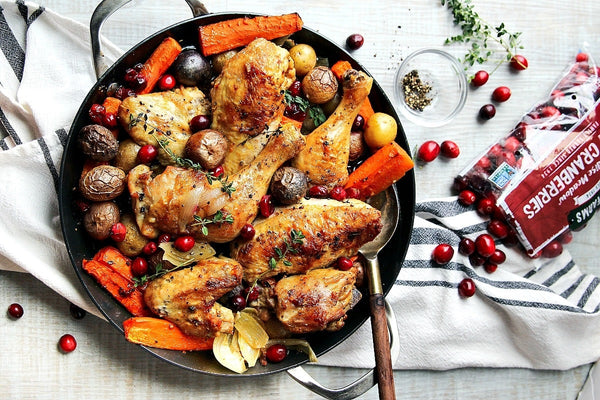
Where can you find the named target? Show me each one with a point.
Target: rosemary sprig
(218, 218)
(478, 33)
(226, 187)
(314, 111)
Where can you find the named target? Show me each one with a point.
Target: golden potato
(134, 241)
(380, 129)
(126, 157)
(305, 58)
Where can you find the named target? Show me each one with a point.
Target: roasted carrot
(162, 334)
(287, 120)
(231, 34)
(121, 288)
(339, 68)
(159, 62)
(380, 171)
(111, 105)
(115, 260)
(366, 110)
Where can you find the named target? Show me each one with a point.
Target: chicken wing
(187, 297)
(325, 157)
(331, 229)
(315, 301)
(165, 114)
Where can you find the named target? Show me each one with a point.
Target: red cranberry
(164, 238)
(428, 151)
(501, 94)
(77, 312)
(139, 266)
(96, 113)
(123, 93)
(467, 197)
(199, 122)
(247, 232)
(135, 79)
(353, 193)
(476, 260)
(557, 93)
(338, 193)
(184, 243)
(442, 254)
(490, 267)
(552, 249)
(15, 310)
(218, 171)
(484, 163)
(485, 206)
(518, 62)
(581, 57)
(238, 303)
(484, 244)
(294, 112)
(460, 183)
(166, 82)
(512, 143)
(252, 295)
(550, 112)
(150, 248)
(67, 343)
(359, 123)
(266, 205)
(498, 228)
(147, 154)
(497, 257)
(355, 41)
(449, 149)
(318, 191)
(344, 263)
(480, 78)
(276, 353)
(521, 131)
(566, 237)
(466, 287)
(295, 88)
(82, 205)
(118, 232)
(487, 111)
(109, 120)
(466, 246)
(511, 240)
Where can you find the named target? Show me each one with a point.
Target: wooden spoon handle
(381, 341)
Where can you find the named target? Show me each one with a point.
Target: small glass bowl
(446, 77)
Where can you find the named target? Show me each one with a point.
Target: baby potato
(380, 129)
(134, 241)
(305, 58)
(126, 157)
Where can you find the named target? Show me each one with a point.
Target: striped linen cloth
(530, 313)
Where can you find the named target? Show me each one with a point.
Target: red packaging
(545, 174)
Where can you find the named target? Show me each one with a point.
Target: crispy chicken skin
(315, 301)
(332, 229)
(169, 201)
(187, 297)
(168, 115)
(247, 97)
(325, 157)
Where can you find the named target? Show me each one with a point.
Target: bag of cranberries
(545, 173)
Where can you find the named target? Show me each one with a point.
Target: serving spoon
(387, 203)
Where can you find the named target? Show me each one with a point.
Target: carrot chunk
(162, 334)
(339, 68)
(159, 62)
(231, 34)
(380, 171)
(116, 260)
(111, 105)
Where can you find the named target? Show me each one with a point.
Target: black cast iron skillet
(80, 246)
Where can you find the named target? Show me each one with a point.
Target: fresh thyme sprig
(314, 111)
(226, 187)
(476, 31)
(296, 237)
(158, 272)
(218, 218)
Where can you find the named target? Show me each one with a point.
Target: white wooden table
(105, 365)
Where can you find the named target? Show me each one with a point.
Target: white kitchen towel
(530, 313)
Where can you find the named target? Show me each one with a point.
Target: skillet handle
(104, 10)
(362, 384)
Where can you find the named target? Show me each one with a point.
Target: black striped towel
(530, 313)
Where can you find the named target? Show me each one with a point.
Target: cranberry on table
(498, 228)
(487, 111)
(552, 249)
(265, 205)
(238, 303)
(442, 254)
(184, 243)
(428, 151)
(139, 266)
(501, 94)
(166, 82)
(466, 246)
(318, 191)
(276, 353)
(449, 149)
(466, 287)
(480, 78)
(485, 206)
(497, 257)
(199, 123)
(247, 232)
(344, 263)
(67, 343)
(147, 154)
(467, 197)
(338, 193)
(581, 57)
(518, 62)
(485, 245)
(476, 260)
(565, 237)
(118, 232)
(15, 310)
(355, 41)
(77, 312)
(490, 267)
